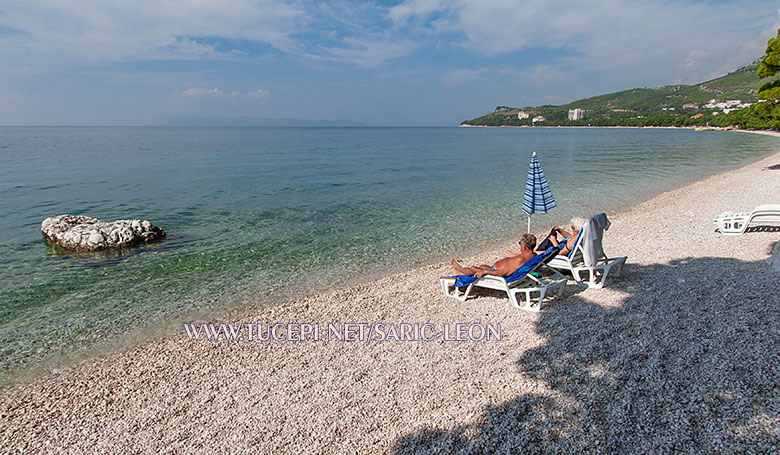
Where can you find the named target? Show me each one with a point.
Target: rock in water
(82, 233)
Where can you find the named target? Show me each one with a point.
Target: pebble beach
(680, 354)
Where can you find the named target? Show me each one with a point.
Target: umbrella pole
(529, 224)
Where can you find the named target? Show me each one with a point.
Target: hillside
(672, 104)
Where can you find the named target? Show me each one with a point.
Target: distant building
(697, 116)
(523, 115)
(691, 106)
(726, 106)
(576, 114)
(538, 118)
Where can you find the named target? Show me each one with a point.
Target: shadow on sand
(687, 362)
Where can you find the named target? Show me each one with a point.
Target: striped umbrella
(537, 197)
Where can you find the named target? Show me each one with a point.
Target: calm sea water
(254, 215)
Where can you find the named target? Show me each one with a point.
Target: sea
(256, 216)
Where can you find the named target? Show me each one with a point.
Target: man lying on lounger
(504, 267)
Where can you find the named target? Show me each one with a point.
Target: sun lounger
(533, 277)
(586, 261)
(737, 223)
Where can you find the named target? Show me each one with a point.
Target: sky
(388, 63)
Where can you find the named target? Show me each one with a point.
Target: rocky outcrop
(82, 233)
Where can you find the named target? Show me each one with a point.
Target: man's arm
(562, 232)
(480, 271)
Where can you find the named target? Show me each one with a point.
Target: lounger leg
(542, 293)
(513, 298)
(745, 225)
(466, 293)
(590, 280)
(618, 268)
(527, 299)
(446, 283)
(613, 266)
(735, 224)
(558, 291)
(598, 277)
(600, 273)
(602, 278)
(618, 265)
(445, 286)
(577, 275)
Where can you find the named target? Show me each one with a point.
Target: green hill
(666, 105)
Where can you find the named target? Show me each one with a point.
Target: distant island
(711, 103)
(250, 121)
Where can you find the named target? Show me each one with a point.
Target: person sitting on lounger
(568, 239)
(551, 240)
(504, 267)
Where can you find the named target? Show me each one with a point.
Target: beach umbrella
(537, 197)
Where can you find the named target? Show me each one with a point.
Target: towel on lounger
(592, 232)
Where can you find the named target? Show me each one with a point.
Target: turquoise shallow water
(253, 212)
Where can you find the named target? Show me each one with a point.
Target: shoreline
(682, 280)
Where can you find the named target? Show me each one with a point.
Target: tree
(770, 64)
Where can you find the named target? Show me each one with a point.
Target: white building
(538, 118)
(576, 114)
(726, 106)
(523, 115)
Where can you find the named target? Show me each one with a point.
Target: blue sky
(394, 63)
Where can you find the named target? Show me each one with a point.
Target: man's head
(528, 241)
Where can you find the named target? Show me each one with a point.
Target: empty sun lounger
(586, 261)
(737, 223)
(533, 277)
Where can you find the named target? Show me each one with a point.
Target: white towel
(592, 232)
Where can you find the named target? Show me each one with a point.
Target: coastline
(695, 128)
(542, 382)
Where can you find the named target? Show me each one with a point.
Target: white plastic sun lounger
(594, 275)
(548, 282)
(737, 223)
